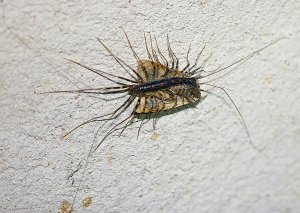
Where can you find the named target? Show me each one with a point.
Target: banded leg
(112, 115)
(122, 63)
(187, 60)
(197, 59)
(102, 73)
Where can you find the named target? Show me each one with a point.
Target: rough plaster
(201, 160)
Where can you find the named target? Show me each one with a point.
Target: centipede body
(155, 85)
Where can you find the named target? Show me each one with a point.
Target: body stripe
(164, 84)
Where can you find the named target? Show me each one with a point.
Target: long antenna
(240, 60)
(240, 114)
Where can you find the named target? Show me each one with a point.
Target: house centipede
(157, 85)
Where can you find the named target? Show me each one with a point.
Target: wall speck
(202, 3)
(65, 207)
(86, 202)
(154, 136)
(268, 79)
(44, 86)
(109, 155)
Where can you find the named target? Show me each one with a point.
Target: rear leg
(147, 48)
(154, 55)
(200, 69)
(112, 130)
(196, 61)
(111, 115)
(187, 60)
(142, 123)
(174, 59)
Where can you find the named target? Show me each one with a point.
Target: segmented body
(164, 88)
(166, 83)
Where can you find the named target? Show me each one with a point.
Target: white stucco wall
(201, 160)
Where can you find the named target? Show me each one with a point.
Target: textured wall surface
(200, 159)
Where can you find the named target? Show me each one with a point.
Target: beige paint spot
(69, 149)
(211, 109)
(154, 136)
(86, 202)
(269, 79)
(202, 3)
(109, 155)
(3, 86)
(65, 207)
(44, 86)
